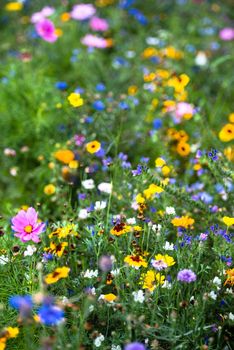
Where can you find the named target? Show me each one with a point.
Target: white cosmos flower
(105, 187)
(88, 184)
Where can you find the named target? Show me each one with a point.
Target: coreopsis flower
(151, 279)
(56, 249)
(186, 275)
(227, 133)
(46, 30)
(27, 226)
(64, 155)
(183, 148)
(120, 228)
(49, 189)
(183, 221)
(60, 272)
(93, 146)
(135, 261)
(63, 232)
(230, 279)
(228, 221)
(75, 99)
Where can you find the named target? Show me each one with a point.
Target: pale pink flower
(82, 12)
(91, 40)
(98, 24)
(183, 109)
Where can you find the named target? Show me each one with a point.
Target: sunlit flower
(60, 272)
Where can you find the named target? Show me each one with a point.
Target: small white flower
(115, 347)
(231, 316)
(131, 221)
(138, 296)
(31, 249)
(156, 228)
(90, 273)
(105, 187)
(115, 272)
(98, 341)
(91, 308)
(201, 59)
(168, 246)
(134, 205)
(99, 205)
(213, 295)
(83, 214)
(167, 285)
(152, 40)
(217, 281)
(4, 260)
(88, 184)
(170, 211)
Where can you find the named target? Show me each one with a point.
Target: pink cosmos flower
(98, 24)
(45, 12)
(91, 40)
(226, 34)
(26, 225)
(82, 12)
(183, 109)
(46, 30)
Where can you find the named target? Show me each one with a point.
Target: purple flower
(26, 225)
(186, 275)
(135, 346)
(226, 34)
(105, 263)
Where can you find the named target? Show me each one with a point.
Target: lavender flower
(135, 346)
(186, 275)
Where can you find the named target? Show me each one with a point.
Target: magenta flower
(226, 34)
(91, 40)
(26, 225)
(82, 12)
(46, 30)
(98, 24)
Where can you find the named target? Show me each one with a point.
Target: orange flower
(64, 155)
(230, 279)
(184, 221)
(183, 149)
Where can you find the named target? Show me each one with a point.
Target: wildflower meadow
(117, 202)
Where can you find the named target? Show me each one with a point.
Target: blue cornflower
(99, 105)
(50, 315)
(61, 85)
(21, 302)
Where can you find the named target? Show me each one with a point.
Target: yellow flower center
(28, 228)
